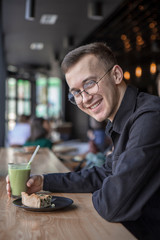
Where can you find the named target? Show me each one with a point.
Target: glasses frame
(96, 82)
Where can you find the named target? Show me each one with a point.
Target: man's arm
(87, 180)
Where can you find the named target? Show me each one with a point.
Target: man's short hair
(98, 49)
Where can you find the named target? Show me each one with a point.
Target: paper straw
(34, 154)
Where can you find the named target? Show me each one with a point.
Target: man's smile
(96, 104)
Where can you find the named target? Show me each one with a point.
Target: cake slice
(36, 200)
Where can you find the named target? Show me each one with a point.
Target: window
(48, 97)
(47, 100)
(18, 100)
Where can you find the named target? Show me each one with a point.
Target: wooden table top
(79, 221)
(44, 162)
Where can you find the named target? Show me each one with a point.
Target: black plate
(60, 202)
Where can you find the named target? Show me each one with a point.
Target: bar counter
(80, 221)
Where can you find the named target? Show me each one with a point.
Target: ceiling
(72, 23)
(131, 28)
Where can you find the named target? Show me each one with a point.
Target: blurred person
(126, 188)
(98, 137)
(21, 132)
(100, 144)
(40, 132)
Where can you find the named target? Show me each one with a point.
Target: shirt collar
(108, 129)
(126, 109)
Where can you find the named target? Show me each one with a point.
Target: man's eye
(89, 84)
(75, 92)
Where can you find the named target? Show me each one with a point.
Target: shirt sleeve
(86, 181)
(136, 171)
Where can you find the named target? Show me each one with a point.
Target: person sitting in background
(40, 130)
(21, 132)
(99, 144)
(98, 137)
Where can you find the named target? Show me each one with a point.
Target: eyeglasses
(90, 87)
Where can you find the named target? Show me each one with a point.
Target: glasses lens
(89, 89)
(92, 88)
(71, 98)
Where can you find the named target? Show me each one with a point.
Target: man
(126, 189)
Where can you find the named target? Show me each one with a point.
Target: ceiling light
(48, 19)
(127, 75)
(153, 68)
(37, 46)
(12, 68)
(138, 72)
(30, 10)
(95, 10)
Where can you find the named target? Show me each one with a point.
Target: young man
(126, 189)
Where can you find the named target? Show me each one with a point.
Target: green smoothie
(18, 174)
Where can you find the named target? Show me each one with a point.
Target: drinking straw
(34, 154)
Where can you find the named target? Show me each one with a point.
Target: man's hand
(34, 184)
(8, 187)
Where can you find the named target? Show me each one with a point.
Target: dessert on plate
(36, 200)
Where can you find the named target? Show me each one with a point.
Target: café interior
(35, 38)
(35, 35)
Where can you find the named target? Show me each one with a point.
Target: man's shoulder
(147, 102)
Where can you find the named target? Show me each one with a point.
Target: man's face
(105, 102)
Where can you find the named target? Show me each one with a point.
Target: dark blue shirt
(127, 188)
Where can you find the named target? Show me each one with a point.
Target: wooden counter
(44, 162)
(80, 221)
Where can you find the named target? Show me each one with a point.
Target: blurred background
(35, 35)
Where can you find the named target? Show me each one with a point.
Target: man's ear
(117, 74)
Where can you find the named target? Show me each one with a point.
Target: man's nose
(85, 96)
